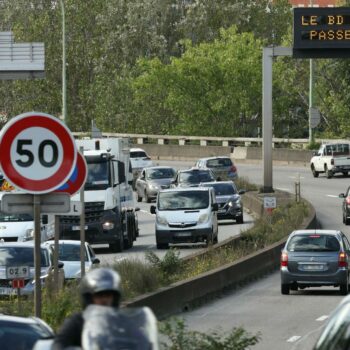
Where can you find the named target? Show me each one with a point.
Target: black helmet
(100, 280)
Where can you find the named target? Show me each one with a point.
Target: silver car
(315, 258)
(152, 180)
(222, 167)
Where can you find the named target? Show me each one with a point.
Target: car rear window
(313, 242)
(219, 162)
(196, 176)
(138, 154)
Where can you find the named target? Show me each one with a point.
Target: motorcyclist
(100, 287)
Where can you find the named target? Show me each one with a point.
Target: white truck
(330, 159)
(110, 215)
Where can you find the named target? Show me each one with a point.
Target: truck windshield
(183, 200)
(15, 217)
(98, 175)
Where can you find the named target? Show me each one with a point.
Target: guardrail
(182, 140)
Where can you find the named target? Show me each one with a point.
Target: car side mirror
(153, 209)
(95, 260)
(60, 264)
(215, 206)
(242, 191)
(130, 182)
(137, 209)
(314, 153)
(341, 195)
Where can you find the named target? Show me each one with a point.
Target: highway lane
(285, 322)
(146, 240)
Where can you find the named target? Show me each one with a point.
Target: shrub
(180, 338)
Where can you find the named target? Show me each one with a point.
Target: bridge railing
(141, 139)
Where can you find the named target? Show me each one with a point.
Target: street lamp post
(64, 86)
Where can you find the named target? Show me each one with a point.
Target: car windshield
(98, 175)
(21, 336)
(314, 243)
(70, 252)
(195, 177)
(138, 154)
(166, 173)
(183, 200)
(219, 162)
(21, 256)
(15, 217)
(222, 189)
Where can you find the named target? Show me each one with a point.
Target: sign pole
(82, 228)
(37, 256)
(56, 251)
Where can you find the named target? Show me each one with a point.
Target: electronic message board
(321, 32)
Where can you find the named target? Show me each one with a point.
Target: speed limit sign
(38, 152)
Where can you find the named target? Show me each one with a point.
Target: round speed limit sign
(38, 152)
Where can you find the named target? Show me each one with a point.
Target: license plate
(221, 211)
(183, 234)
(313, 267)
(7, 291)
(77, 228)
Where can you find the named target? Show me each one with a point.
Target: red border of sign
(74, 187)
(29, 120)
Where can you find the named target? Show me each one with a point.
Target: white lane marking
(144, 211)
(296, 177)
(293, 339)
(283, 189)
(322, 318)
(331, 195)
(120, 259)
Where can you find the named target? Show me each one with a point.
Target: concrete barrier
(239, 154)
(184, 295)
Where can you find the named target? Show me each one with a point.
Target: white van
(186, 215)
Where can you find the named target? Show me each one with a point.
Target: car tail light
(284, 259)
(342, 260)
(347, 200)
(332, 161)
(233, 169)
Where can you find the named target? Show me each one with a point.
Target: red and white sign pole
(38, 155)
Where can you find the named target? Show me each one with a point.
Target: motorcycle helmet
(100, 280)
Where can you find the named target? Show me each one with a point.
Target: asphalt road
(285, 322)
(146, 241)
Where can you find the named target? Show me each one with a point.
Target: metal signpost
(318, 33)
(38, 155)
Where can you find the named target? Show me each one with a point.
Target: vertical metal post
(267, 118)
(64, 86)
(56, 252)
(82, 227)
(310, 90)
(37, 256)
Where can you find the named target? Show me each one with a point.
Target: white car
(139, 160)
(69, 255)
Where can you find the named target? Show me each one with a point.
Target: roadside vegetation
(139, 277)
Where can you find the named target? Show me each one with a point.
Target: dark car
(222, 167)
(228, 199)
(21, 333)
(336, 333)
(346, 206)
(315, 258)
(152, 180)
(192, 177)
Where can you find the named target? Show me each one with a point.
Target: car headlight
(203, 218)
(29, 234)
(236, 203)
(153, 187)
(108, 225)
(162, 220)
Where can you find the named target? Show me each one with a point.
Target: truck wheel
(314, 172)
(117, 247)
(329, 173)
(285, 289)
(129, 242)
